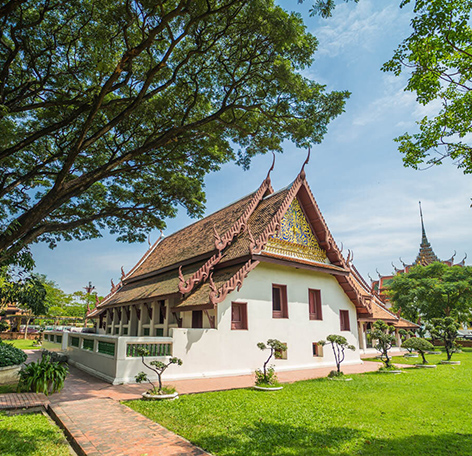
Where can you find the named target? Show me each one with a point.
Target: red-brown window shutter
(344, 320)
(314, 303)
(279, 301)
(238, 315)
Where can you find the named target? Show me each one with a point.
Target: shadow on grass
(280, 439)
(264, 439)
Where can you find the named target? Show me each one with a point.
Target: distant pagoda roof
(426, 254)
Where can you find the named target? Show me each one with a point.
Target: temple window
(197, 319)
(317, 349)
(279, 301)
(238, 315)
(344, 320)
(314, 303)
(162, 311)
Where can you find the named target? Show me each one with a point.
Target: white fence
(112, 358)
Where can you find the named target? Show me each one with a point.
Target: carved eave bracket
(235, 282)
(221, 242)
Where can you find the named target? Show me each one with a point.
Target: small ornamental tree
(382, 334)
(420, 345)
(339, 344)
(158, 367)
(267, 374)
(445, 329)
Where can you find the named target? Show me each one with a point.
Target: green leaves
(10, 355)
(43, 376)
(438, 54)
(114, 113)
(433, 291)
(382, 335)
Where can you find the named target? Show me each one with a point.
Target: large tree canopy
(112, 111)
(438, 58)
(433, 291)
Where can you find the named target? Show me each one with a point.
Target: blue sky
(369, 200)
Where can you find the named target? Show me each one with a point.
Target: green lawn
(31, 435)
(419, 412)
(23, 344)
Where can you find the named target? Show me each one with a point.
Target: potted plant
(158, 367)
(422, 346)
(44, 376)
(11, 359)
(266, 379)
(339, 344)
(382, 333)
(445, 329)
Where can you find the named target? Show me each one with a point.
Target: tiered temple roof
(201, 264)
(425, 257)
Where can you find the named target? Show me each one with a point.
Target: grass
(23, 344)
(416, 413)
(31, 435)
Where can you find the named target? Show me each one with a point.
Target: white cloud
(357, 27)
(380, 222)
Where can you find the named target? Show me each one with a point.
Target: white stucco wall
(222, 351)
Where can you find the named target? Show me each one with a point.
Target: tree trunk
(26, 327)
(424, 359)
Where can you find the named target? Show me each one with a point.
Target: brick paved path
(104, 427)
(22, 400)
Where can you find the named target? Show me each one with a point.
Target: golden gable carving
(295, 237)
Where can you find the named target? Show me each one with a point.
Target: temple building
(263, 267)
(425, 256)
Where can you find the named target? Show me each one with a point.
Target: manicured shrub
(267, 375)
(158, 367)
(384, 339)
(445, 329)
(43, 376)
(420, 345)
(339, 345)
(10, 355)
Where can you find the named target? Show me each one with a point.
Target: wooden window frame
(314, 304)
(239, 325)
(283, 312)
(317, 350)
(194, 318)
(345, 324)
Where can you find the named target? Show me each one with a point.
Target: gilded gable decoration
(295, 237)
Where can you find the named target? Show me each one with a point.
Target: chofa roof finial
(271, 168)
(302, 171)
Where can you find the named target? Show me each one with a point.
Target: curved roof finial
(302, 171)
(271, 168)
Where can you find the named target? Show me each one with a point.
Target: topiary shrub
(339, 344)
(420, 345)
(10, 355)
(158, 367)
(382, 334)
(267, 376)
